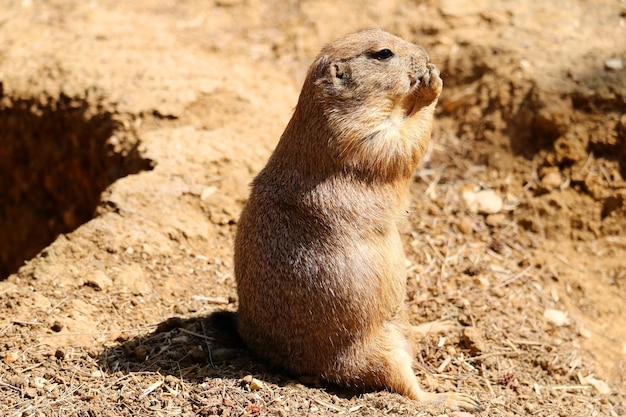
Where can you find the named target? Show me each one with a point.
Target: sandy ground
(130, 131)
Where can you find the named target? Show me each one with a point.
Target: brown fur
(319, 262)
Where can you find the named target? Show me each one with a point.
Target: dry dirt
(130, 130)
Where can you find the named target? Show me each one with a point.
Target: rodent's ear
(340, 73)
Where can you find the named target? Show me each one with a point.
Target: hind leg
(391, 357)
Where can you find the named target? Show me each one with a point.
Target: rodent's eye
(383, 54)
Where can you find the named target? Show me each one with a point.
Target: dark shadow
(56, 158)
(198, 348)
(190, 349)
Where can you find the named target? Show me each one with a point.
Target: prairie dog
(319, 262)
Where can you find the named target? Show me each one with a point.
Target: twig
(64, 398)
(444, 364)
(570, 387)
(489, 355)
(57, 305)
(4, 384)
(568, 263)
(528, 342)
(206, 343)
(201, 336)
(514, 277)
(150, 389)
(328, 405)
(356, 408)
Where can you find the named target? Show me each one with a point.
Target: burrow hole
(56, 158)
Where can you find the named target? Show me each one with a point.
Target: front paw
(430, 84)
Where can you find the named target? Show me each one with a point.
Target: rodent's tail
(224, 326)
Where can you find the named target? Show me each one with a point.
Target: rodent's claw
(454, 400)
(430, 85)
(470, 403)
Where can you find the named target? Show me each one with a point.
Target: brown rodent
(319, 263)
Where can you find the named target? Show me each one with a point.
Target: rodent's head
(367, 85)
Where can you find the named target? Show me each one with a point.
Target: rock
(11, 357)
(556, 317)
(551, 181)
(256, 385)
(495, 220)
(482, 281)
(482, 201)
(472, 339)
(208, 192)
(465, 225)
(252, 383)
(38, 382)
(600, 386)
(614, 64)
(30, 392)
(99, 280)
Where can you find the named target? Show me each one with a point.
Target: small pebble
(30, 392)
(99, 280)
(481, 281)
(208, 192)
(495, 220)
(473, 340)
(556, 317)
(552, 180)
(252, 383)
(614, 64)
(465, 225)
(483, 201)
(38, 382)
(11, 357)
(600, 386)
(256, 385)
